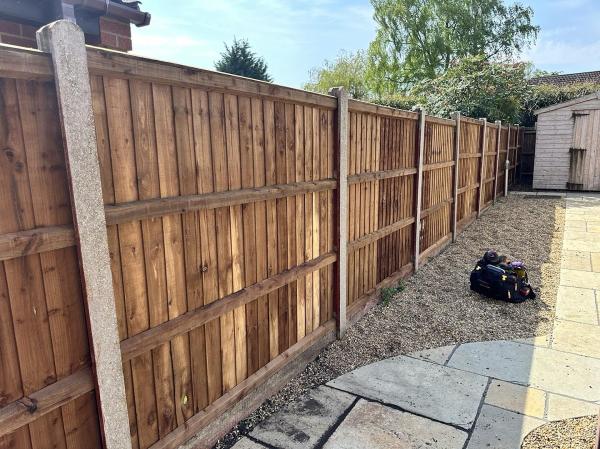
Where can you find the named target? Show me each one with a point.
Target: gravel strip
(436, 306)
(576, 433)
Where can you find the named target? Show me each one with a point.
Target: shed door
(584, 172)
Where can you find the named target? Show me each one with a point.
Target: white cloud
(554, 52)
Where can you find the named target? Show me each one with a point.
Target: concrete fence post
(455, 179)
(480, 198)
(507, 163)
(342, 209)
(64, 40)
(497, 161)
(419, 187)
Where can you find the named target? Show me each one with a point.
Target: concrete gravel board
(375, 426)
(301, 424)
(438, 392)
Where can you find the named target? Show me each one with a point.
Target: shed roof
(573, 102)
(568, 78)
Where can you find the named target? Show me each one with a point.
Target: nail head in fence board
(496, 171)
(456, 179)
(65, 41)
(419, 187)
(342, 218)
(482, 166)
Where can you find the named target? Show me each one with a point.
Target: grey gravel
(437, 308)
(577, 433)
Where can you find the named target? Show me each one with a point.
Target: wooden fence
(222, 208)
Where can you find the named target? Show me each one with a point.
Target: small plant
(387, 293)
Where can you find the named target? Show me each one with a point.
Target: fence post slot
(419, 188)
(482, 166)
(455, 179)
(342, 209)
(65, 41)
(497, 161)
(507, 163)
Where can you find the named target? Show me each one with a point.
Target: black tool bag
(501, 281)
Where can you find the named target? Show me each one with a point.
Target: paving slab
(301, 424)
(577, 278)
(580, 235)
(497, 428)
(375, 426)
(578, 338)
(595, 261)
(560, 407)
(516, 398)
(592, 227)
(543, 368)
(581, 245)
(435, 355)
(576, 260)
(575, 225)
(245, 443)
(539, 340)
(576, 304)
(438, 392)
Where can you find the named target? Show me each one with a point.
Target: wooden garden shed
(567, 152)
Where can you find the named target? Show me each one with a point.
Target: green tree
(478, 88)
(239, 59)
(347, 70)
(420, 39)
(542, 95)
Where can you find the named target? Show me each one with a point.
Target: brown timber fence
(222, 206)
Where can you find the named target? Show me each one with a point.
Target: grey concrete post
(507, 163)
(342, 218)
(496, 168)
(482, 166)
(419, 187)
(65, 41)
(455, 179)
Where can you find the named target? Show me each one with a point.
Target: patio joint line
(401, 409)
(451, 353)
(338, 422)
(481, 402)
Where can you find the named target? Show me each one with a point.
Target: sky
(295, 36)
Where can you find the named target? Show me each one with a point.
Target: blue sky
(296, 35)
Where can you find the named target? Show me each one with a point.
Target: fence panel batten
(226, 230)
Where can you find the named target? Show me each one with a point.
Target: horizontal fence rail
(222, 199)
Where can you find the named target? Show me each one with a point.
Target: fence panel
(381, 169)
(161, 141)
(44, 352)
(438, 174)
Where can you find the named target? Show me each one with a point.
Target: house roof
(568, 78)
(583, 99)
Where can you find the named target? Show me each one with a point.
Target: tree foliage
(421, 39)
(239, 59)
(478, 88)
(347, 70)
(543, 95)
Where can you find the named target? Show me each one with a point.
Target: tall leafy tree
(347, 70)
(477, 88)
(420, 39)
(239, 59)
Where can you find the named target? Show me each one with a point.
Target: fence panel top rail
(107, 62)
